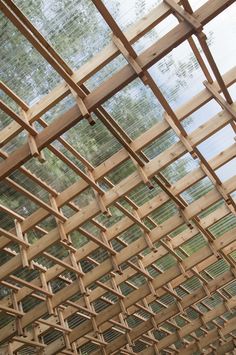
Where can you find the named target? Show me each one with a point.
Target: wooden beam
(88, 69)
(62, 295)
(112, 85)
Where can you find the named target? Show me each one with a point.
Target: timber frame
(167, 317)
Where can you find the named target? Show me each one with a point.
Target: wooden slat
(112, 85)
(88, 69)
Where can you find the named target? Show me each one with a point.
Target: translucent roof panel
(75, 29)
(27, 73)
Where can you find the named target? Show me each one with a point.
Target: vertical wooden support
(223, 103)
(74, 348)
(99, 196)
(47, 287)
(185, 218)
(32, 142)
(17, 307)
(166, 242)
(77, 266)
(205, 166)
(146, 234)
(10, 349)
(113, 253)
(36, 335)
(60, 225)
(117, 289)
(149, 279)
(23, 249)
(188, 17)
(202, 280)
(64, 325)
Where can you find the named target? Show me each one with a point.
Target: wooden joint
(142, 174)
(18, 312)
(129, 341)
(186, 16)
(60, 223)
(169, 289)
(102, 205)
(110, 289)
(76, 265)
(183, 270)
(227, 306)
(33, 146)
(149, 242)
(41, 157)
(178, 331)
(154, 323)
(185, 218)
(152, 289)
(99, 196)
(106, 244)
(221, 336)
(131, 59)
(116, 267)
(206, 289)
(65, 328)
(82, 107)
(124, 310)
(47, 287)
(214, 250)
(23, 248)
(233, 270)
(181, 133)
(32, 141)
(140, 268)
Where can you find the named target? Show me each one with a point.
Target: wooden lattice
(149, 294)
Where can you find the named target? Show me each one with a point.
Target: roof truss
(94, 307)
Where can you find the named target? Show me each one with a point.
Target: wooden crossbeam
(91, 249)
(79, 307)
(201, 255)
(148, 58)
(105, 56)
(159, 318)
(68, 191)
(58, 270)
